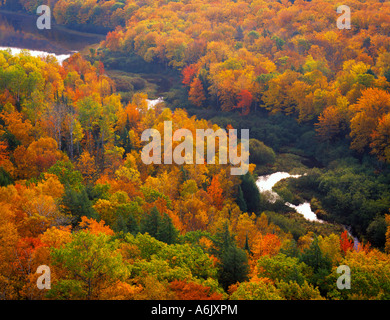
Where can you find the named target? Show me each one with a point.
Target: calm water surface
(20, 31)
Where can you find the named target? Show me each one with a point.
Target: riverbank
(36, 53)
(265, 185)
(19, 30)
(267, 182)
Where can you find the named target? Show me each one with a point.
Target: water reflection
(153, 103)
(265, 185)
(36, 53)
(20, 31)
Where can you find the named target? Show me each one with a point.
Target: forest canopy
(245, 55)
(75, 194)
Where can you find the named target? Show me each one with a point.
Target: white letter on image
(44, 21)
(154, 146)
(344, 281)
(43, 281)
(344, 21)
(211, 138)
(243, 159)
(186, 147)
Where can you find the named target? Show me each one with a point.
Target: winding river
(153, 103)
(36, 53)
(267, 182)
(18, 31)
(265, 185)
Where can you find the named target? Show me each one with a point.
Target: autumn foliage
(75, 194)
(346, 244)
(192, 291)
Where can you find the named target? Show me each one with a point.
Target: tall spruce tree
(78, 204)
(166, 231)
(251, 193)
(240, 200)
(150, 222)
(126, 221)
(233, 266)
(246, 245)
(159, 226)
(319, 262)
(5, 178)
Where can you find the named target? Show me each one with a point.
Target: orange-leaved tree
(193, 291)
(346, 244)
